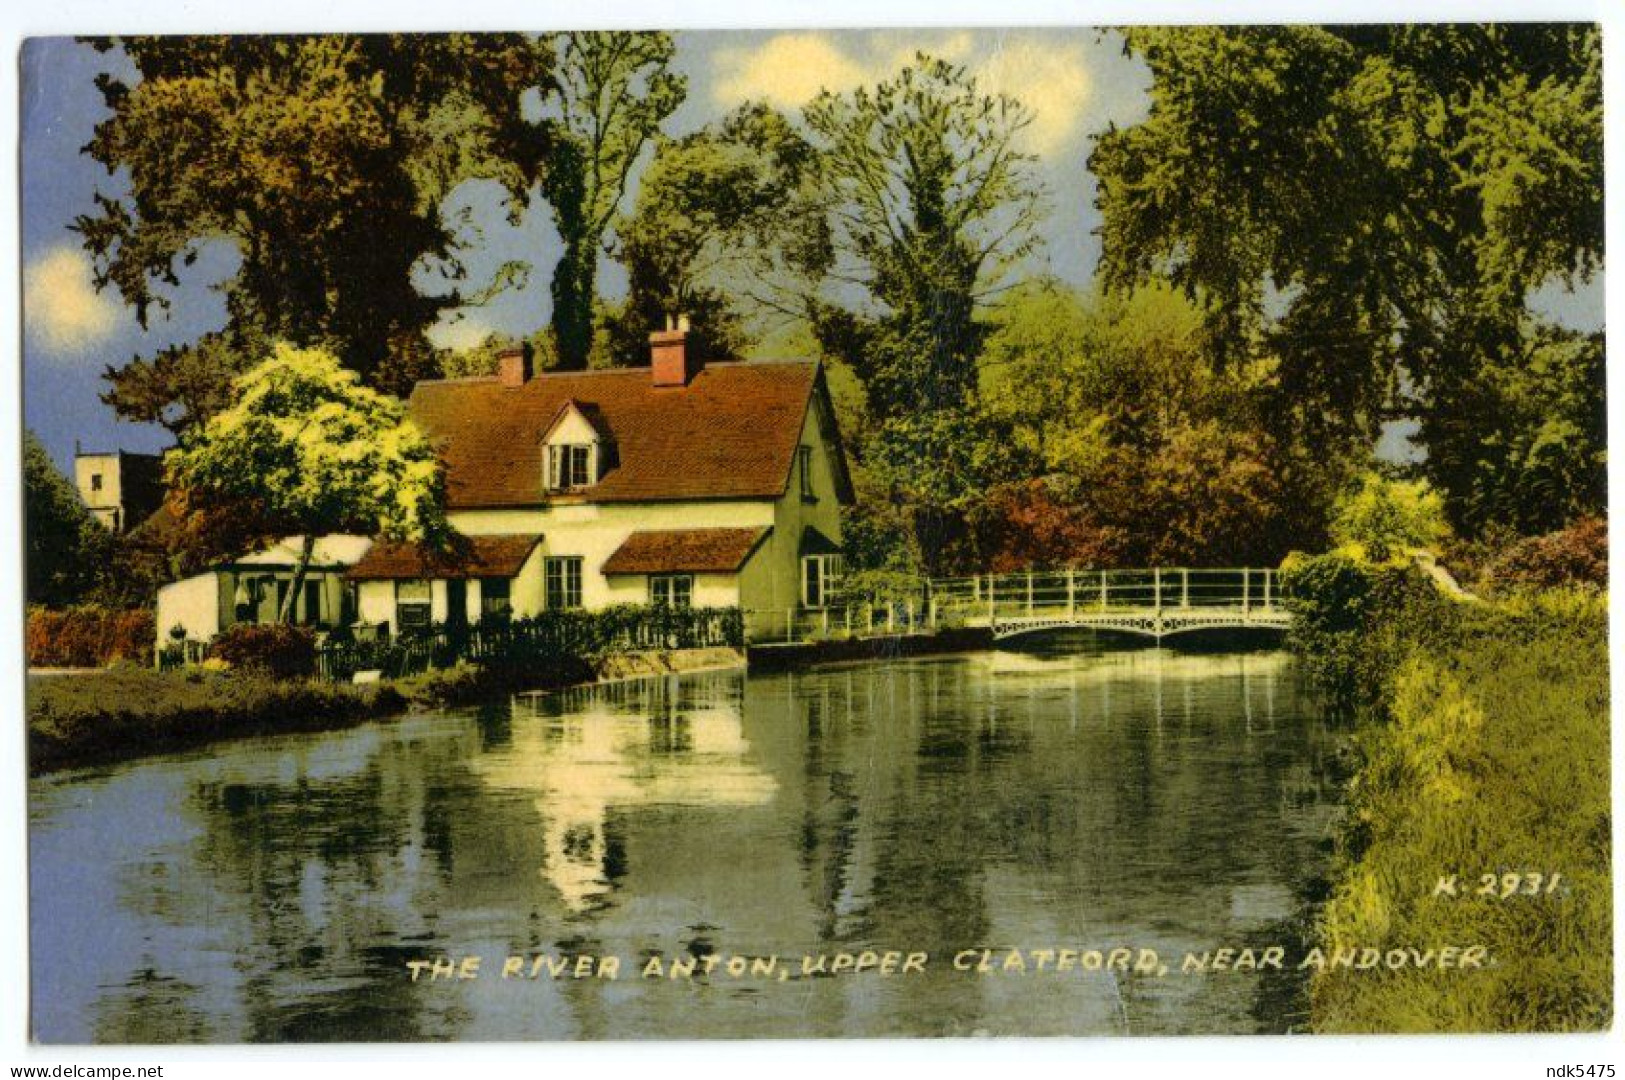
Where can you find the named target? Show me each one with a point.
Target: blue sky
(1076, 81)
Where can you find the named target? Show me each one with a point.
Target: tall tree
(307, 449)
(1370, 205)
(931, 202)
(728, 229)
(66, 547)
(323, 161)
(612, 91)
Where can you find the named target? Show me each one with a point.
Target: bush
(277, 649)
(1575, 556)
(88, 637)
(1382, 520)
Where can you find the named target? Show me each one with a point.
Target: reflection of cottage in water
(589, 753)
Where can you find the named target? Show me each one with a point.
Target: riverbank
(1478, 816)
(85, 718)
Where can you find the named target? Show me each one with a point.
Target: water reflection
(1063, 797)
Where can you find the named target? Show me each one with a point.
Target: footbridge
(1157, 602)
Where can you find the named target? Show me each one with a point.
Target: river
(1068, 799)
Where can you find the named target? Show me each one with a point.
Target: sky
(1076, 82)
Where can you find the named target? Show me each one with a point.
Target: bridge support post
(1071, 593)
(1029, 594)
(1103, 590)
(1267, 575)
(1246, 592)
(1184, 588)
(1156, 583)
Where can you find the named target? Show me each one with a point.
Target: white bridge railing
(1155, 602)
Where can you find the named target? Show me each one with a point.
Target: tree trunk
(297, 586)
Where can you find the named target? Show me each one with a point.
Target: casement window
(671, 590)
(563, 578)
(820, 579)
(569, 466)
(412, 600)
(804, 460)
(496, 597)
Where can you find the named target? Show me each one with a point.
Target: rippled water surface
(1065, 798)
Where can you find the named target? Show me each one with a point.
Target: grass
(1488, 755)
(127, 712)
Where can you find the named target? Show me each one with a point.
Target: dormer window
(570, 466)
(577, 453)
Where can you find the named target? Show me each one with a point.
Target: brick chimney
(513, 366)
(671, 362)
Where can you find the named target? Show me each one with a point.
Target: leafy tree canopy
(323, 160)
(613, 90)
(1371, 206)
(65, 545)
(308, 449)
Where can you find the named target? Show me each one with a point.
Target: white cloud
(458, 334)
(61, 308)
(1047, 72)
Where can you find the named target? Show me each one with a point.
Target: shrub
(88, 637)
(1382, 519)
(278, 649)
(1575, 556)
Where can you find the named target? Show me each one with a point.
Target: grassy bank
(118, 713)
(1483, 748)
(126, 712)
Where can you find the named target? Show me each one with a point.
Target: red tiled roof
(731, 433)
(470, 556)
(692, 550)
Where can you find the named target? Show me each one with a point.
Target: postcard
(676, 534)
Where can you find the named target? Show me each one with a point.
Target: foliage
(1370, 207)
(728, 229)
(88, 637)
(613, 90)
(1143, 439)
(309, 449)
(1382, 520)
(1489, 755)
(279, 649)
(1574, 557)
(1026, 524)
(930, 203)
(323, 161)
(65, 545)
(120, 713)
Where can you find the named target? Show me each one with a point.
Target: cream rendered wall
(103, 504)
(772, 579)
(193, 603)
(375, 602)
(594, 531)
(710, 590)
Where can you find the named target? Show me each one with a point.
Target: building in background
(120, 489)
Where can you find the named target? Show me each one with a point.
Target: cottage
(682, 483)
(251, 589)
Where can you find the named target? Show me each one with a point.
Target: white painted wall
(193, 603)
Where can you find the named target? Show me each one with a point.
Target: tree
(728, 229)
(1380, 519)
(613, 89)
(305, 447)
(323, 161)
(930, 204)
(65, 545)
(1370, 206)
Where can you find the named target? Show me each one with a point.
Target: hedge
(88, 636)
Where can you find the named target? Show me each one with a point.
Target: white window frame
(820, 579)
(571, 466)
(404, 602)
(678, 590)
(566, 570)
(804, 458)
